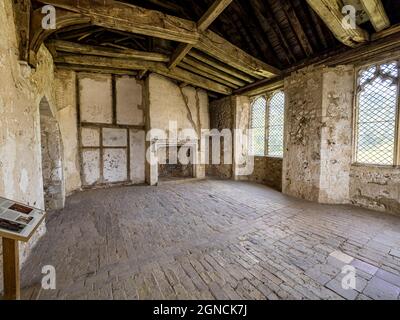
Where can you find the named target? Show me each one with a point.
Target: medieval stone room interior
(200, 150)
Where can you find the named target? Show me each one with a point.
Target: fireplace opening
(175, 162)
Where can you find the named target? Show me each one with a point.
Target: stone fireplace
(176, 160)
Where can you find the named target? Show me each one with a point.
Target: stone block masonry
(318, 134)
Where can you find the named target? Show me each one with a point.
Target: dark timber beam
(38, 34)
(377, 14)
(124, 17)
(22, 15)
(129, 18)
(330, 11)
(205, 21)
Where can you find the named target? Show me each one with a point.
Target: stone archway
(52, 164)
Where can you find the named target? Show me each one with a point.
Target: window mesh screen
(276, 124)
(377, 114)
(258, 127)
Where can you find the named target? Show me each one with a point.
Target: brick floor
(213, 240)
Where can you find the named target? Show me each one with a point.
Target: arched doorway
(52, 166)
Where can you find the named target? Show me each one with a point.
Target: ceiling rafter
(129, 18)
(297, 27)
(376, 13)
(330, 12)
(205, 21)
(136, 64)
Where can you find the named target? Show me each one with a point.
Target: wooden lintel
(330, 11)
(377, 14)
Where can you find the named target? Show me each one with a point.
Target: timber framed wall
(111, 129)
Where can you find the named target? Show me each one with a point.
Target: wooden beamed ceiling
(223, 46)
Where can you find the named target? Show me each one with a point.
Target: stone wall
(21, 90)
(221, 117)
(376, 188)
(318, 134)
(301, 165)
(336, 134)
(242, 163)
(267, 171)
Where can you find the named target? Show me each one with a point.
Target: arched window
(258, 112)
(267, 123)
(276, 116)
(377, 115)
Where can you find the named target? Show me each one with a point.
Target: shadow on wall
(52, 164)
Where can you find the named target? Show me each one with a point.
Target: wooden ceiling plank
(208, 75)
(275, 26)
(217, 73)
(317, 24)
(135, 64)
(211, 62)
(330, 12)
(265, 26)
(377, 14)
(297, 27)
(205, 21)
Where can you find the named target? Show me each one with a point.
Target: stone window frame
(357, 90)
(268, 96)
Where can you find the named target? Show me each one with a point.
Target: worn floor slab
(213, 240)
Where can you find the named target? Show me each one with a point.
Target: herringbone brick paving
(213, 240)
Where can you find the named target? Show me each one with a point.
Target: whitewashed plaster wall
(21, 90)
